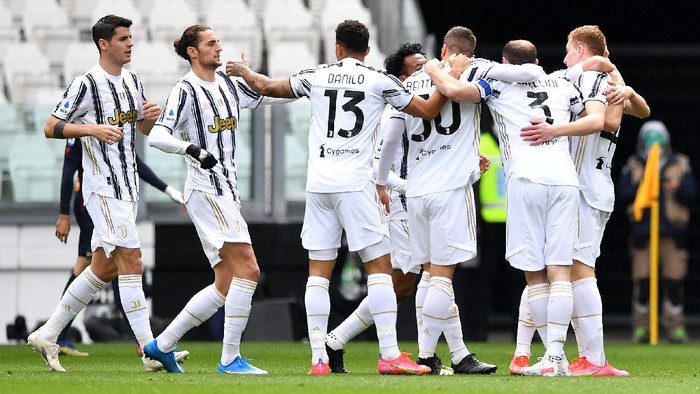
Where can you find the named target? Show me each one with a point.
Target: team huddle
(389, 150)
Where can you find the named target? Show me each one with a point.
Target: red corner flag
(648, 190)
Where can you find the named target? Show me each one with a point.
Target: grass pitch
(115, 368)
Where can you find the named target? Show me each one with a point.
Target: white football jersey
(443, 153)
(593, 153)
(206, 114)
(399, 165)
(347, 99)
(97, 97)
(513, 106)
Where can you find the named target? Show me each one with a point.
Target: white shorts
(217, 220)
(359, 213)
(115, 223)
(541, 224)
(443, 227)
(590, 233)
(401, 247)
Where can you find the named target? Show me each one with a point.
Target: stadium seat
(8, 34)
(80, 57)
(243, 36)
(27, 71)
(288, 21)
(126, 9)
(159, 68)
(336, 11)
(286, 58)
(46, 24)
(167, 19)
(33, 170)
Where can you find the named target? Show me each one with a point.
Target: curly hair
(394, 63)
(353, 35)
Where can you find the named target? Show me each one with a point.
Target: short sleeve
(302, 82)
(75, 101)
(175, 112)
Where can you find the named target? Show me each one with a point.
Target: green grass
(114, 368)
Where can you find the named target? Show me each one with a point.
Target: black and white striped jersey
(206, 114)
(347, 100)
(97, 97)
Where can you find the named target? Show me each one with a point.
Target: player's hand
(205, 159)
(106, 133)
(459, 63)
(433, 66)
(151, 111)
(63, 228)
(538, 132)
(384, 197)
(234, 68)
(617, 94)
(175, 195)
(484, 163)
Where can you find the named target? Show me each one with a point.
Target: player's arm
(71, 164)
(262, 84)
(60, 129)
(619, 93)
(521, 73)
(392, 137)
(161, 138)
(539, 131)
(448, 85)
(151, 113)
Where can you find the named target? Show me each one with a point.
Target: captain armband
(58, 129)
(484, 88)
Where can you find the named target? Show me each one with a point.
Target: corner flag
(648, 190)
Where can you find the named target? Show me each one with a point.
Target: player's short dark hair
(105, 28)
(353, 35)
(460, 40)
(190, 38)
(395, 64)
(520, 52)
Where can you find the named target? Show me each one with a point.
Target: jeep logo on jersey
(121, 117)
(219, 125)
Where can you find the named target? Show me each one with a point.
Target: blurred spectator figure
(678, 191)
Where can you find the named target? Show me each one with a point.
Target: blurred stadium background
(46, 43)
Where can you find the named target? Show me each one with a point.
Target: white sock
(436, 310)
(580, 345)
(561, 304)
(382, 304)
(589, 309)
(526, 327)
(357, 322)
(538, 302)
(453, 335)
(237, 310)
(318, 308)
(199, 309)
(134, 304)
(421, 291)
(74, 300)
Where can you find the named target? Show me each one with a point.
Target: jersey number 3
(351, 106)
